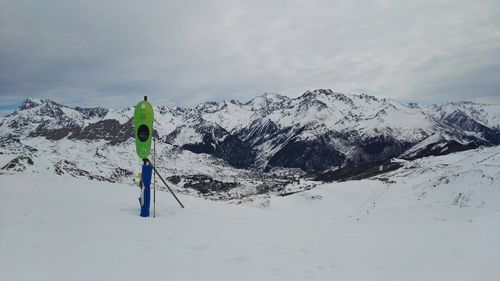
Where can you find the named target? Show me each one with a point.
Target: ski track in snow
(438, 220)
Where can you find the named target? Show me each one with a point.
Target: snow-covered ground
(438, 218)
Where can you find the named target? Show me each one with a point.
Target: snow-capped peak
(413, 105)
(209, 106)
(34, 102)
(265, 100)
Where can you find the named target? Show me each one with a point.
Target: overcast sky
(111, 53)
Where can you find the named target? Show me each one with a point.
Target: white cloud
(185, 52)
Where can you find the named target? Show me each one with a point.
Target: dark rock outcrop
(231, 149)
(18, 164)
(443, 148)
(307, 155)
(110, 130)
(357, 172)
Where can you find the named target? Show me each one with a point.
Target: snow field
(64, 228)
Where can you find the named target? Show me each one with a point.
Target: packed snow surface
(434, 219)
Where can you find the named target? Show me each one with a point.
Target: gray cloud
(185, 52)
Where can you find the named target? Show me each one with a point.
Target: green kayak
(143, 128)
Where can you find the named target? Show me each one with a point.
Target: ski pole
(171, 191)
(154, 179)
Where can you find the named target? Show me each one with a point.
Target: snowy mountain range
(258, 145)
